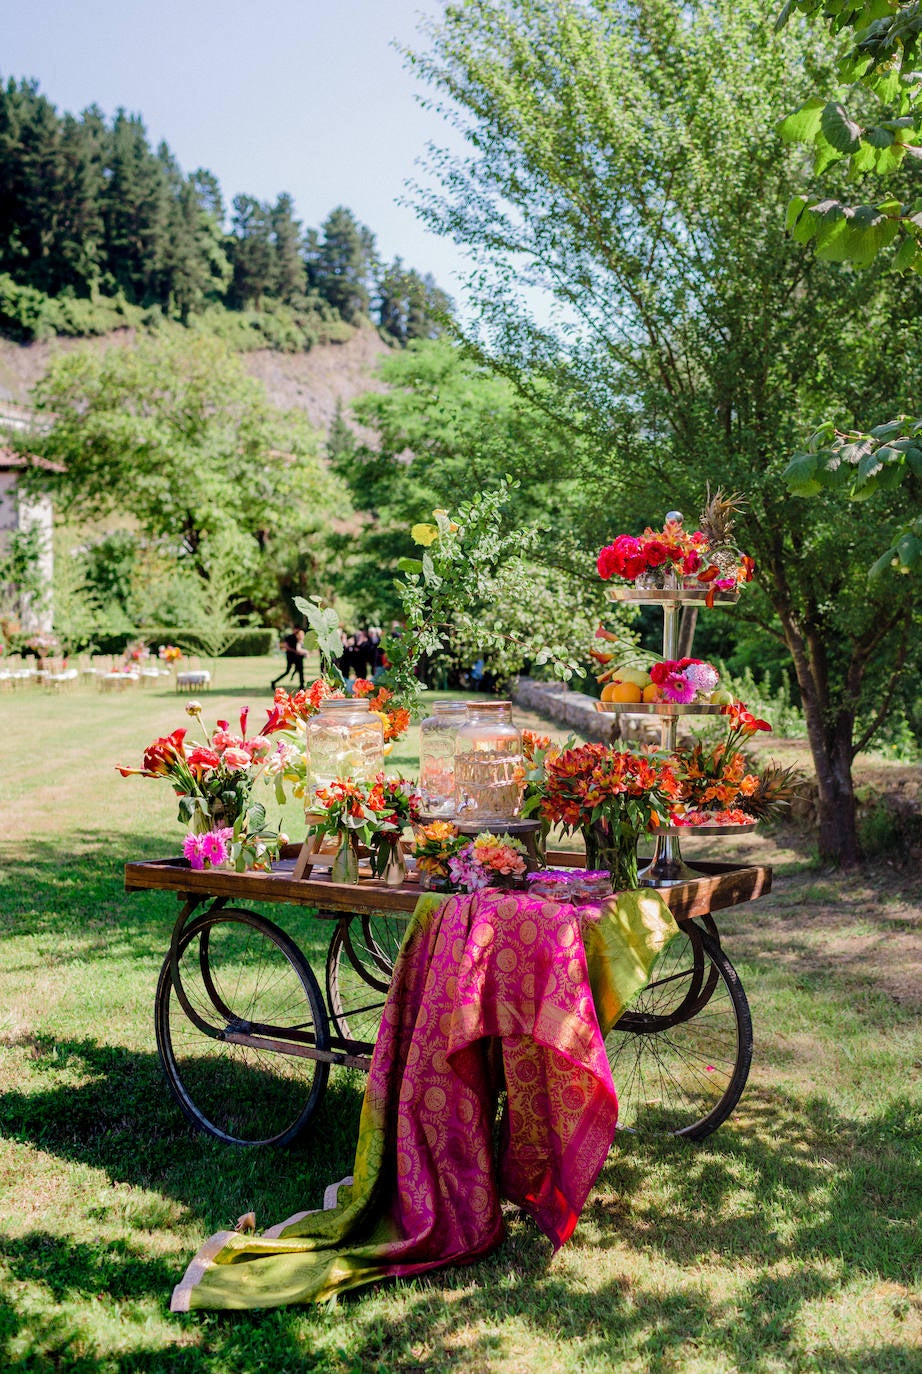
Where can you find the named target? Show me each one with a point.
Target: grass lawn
(790, 1240)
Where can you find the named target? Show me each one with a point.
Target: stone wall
(556, 701)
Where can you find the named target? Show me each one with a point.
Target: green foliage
(21, 583)
(877, 64)
(767, 702)
(878, 61)
(688, 336)
(26, 313)
(467, 591)
(213, 598)
(325, 631)
(888, 456)
(285, 328)
(445, 428)
(174, 433)
(254, 642)
(98, 229)
(83, 619)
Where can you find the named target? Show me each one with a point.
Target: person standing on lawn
(295, 654)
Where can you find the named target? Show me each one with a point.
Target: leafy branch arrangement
(463, 588)
(467, 589)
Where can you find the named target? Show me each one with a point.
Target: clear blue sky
(304, 96)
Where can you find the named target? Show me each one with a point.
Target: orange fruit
(652, 693)
(622, 691)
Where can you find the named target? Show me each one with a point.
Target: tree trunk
(838, 829)
(831, 747)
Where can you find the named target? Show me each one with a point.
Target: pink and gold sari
(491, 990)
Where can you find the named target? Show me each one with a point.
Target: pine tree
(136, 212)
(289, 277)
(252, 252)
(345, 264)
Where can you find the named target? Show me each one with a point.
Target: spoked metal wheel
(360, 963)
(233, 1030)
(680, 1055)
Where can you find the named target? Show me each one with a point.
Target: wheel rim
(680, 1055)
(237, 974)
(359, 969)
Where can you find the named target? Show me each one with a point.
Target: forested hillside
(99, 230)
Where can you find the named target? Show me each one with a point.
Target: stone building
(21, 512)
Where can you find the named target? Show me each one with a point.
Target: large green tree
(871, 120)
(618, 164)
(445, 428)
(174, 433)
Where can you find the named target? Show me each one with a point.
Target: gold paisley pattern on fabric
(475, 973)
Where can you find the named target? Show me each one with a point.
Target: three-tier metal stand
(667, 867)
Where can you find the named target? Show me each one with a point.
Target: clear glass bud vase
(612, 846)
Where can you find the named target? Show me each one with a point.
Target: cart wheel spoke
(680, 1055)
(240, 974)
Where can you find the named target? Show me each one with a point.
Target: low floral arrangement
(693, 819)
(684, 680)
(671, 557)
(169, 653)
(718, 784)
(632, 675)
(436, 845)
(136, 652)
(214, 783)
(630, 556)
(374, 816)
(42, 645)
(488, 861)
(612, 797)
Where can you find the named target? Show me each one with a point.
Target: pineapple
(776, 788)
(716, 520)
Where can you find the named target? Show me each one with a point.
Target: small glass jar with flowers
(343, 811)
(396, 804)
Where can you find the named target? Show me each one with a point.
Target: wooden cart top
(719, 887)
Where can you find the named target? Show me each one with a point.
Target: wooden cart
(247, 1034)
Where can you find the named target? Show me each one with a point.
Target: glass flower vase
(215, 815)
(345, 866)
(613, 847)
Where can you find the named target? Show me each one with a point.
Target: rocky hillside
(313, 381)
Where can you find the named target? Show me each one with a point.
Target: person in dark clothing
(295, 654)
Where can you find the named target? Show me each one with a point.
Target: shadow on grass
(76, 1281)
(122, 1119)
(77, 896)
(802, 1199)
